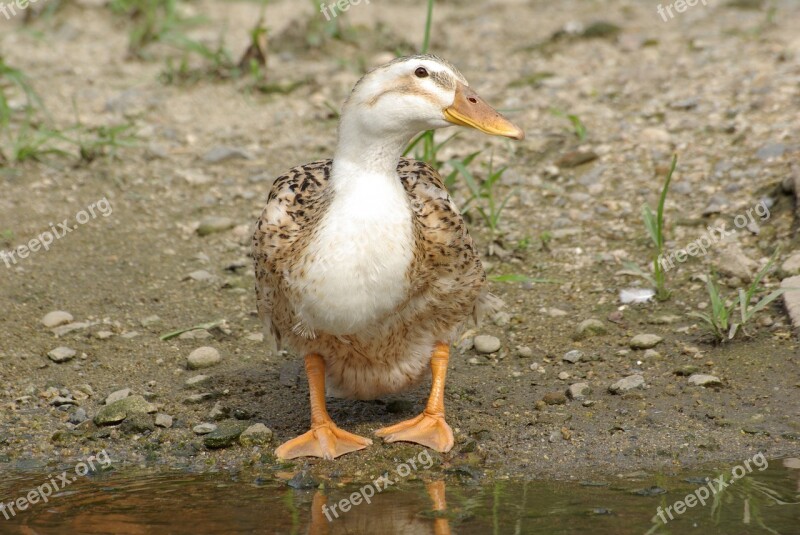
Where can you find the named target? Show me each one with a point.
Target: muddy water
(123, 502)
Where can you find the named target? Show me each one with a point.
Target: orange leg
(436, 490)
(324, 439)
(429, 428)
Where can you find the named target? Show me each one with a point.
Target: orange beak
(468, 109)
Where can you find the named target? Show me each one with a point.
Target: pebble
(579, 391)
(791, 298)
(163, 420)
(645, 341)
(204, 428)
(103, 335)
(524, 352)
(118, 395)
(225, 434)
(61, 354)
(734, 263)
(221, 153)
(56, 318)
(573, 356)
(554, 398)
(197, 380)
(485, 343)
(195, 334)
(78, 417)
(701, 379)
(256, 435)
(588, 328)
(652, 354)
(119, 410)
(563, 376)
(636, 295)
(219, 411)
(214, 224)
(150, 320)
(203, 357)
(61, 330)
(627, 384)
(201, 275)
(198, 398)
(791, 266)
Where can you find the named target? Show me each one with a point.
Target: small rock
(302, 480)
(118, 395)
(791, 298)
(204, 428)
(485, 343)
(103, 335)
(524, 352)
(576, 158)
(579, 391)
(627, 384)
(163, 420)
(573, 356)
(563, 376)
(685, 370)
(150, 320)
(198, 398)
(56, 318)
(256, 435)
(588, 328)
(138, 423)
(61, 330)
(700, 379)
(651, 354)
(62, 400)
(645, 341)
(226, 433)
(78, 417)
(221, 153)
(219, 411)
(791, 266)
(61, 354)
(197, 380)
(203, 357)
(195, 334)
(771, 150)
(119, 410)
(636, 295)
(554, 398)
(214, 224)
(734, 263)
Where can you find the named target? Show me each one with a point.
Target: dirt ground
(718, 84)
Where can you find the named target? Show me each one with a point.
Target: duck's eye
(421, 72)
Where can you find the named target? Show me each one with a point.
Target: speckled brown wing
(447, 266)
(297, 199)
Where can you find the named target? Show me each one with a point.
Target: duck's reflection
(389, 512)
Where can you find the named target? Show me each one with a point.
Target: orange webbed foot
(430, 430)
(326, 441)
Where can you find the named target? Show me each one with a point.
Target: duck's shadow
(276, 393)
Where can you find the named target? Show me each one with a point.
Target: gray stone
(791, 298)
(61, 354)
(626, 384)
(791, 266)
(221, 153)
(198, 398)
(589, 327)
(524, 352)
(163, 420)
(61, 330)
(579, 391)
(645, 341)
(119, 410)
(732, 262)
(203, 357)
(554, 398)
(56, 318)
(118, 395)
(78, 417)
(226, 433)
(256, 435)
(573, 356)
(214, 224)
(485, 343)
(204, 428)
(771, 150)
(138, 423)
(701, 379)
(197, 380)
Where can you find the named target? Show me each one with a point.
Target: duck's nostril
(473, 100)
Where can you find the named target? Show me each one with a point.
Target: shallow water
(121, 502)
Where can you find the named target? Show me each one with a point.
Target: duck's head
(417, 93)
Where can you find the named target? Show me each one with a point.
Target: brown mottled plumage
(447, 281)
(363, 263)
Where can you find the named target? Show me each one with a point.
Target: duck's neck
(363, 152)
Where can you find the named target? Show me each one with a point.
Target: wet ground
(720, 85)
(128, 503)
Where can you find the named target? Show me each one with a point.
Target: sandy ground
(717, 84)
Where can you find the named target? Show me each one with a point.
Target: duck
(363, 262)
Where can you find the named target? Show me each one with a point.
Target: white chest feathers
(360, 257)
